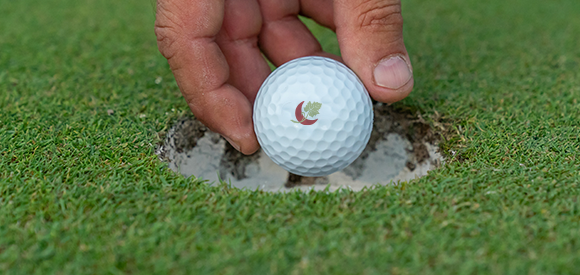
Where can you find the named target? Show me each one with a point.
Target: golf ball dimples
(313, 116)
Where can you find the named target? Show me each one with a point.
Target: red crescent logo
(300, 117)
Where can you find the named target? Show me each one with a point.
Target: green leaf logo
(310, 110)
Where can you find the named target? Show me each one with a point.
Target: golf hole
(402, 147)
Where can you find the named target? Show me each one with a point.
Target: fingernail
(233, 143)
(392, 73)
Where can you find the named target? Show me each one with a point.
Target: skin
(215, 50)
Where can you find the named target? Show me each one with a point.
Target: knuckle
(168, 29)
(166, 40)
(380, 15)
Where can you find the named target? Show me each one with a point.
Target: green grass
(82, 192)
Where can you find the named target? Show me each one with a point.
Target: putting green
(84, 94)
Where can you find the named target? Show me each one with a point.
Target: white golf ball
(313, 116)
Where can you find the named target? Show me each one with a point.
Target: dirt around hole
(402, 146)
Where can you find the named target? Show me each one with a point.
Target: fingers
(238, 40)
(320, 10)
(370, 36)
(284, 37)
(186, 32)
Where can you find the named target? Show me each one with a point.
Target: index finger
(186, 32)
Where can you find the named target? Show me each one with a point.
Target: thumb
(370, 36)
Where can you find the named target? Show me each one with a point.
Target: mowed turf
(82, 192)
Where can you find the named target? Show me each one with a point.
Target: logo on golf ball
(310, 110)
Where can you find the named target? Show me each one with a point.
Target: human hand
(214, 48)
